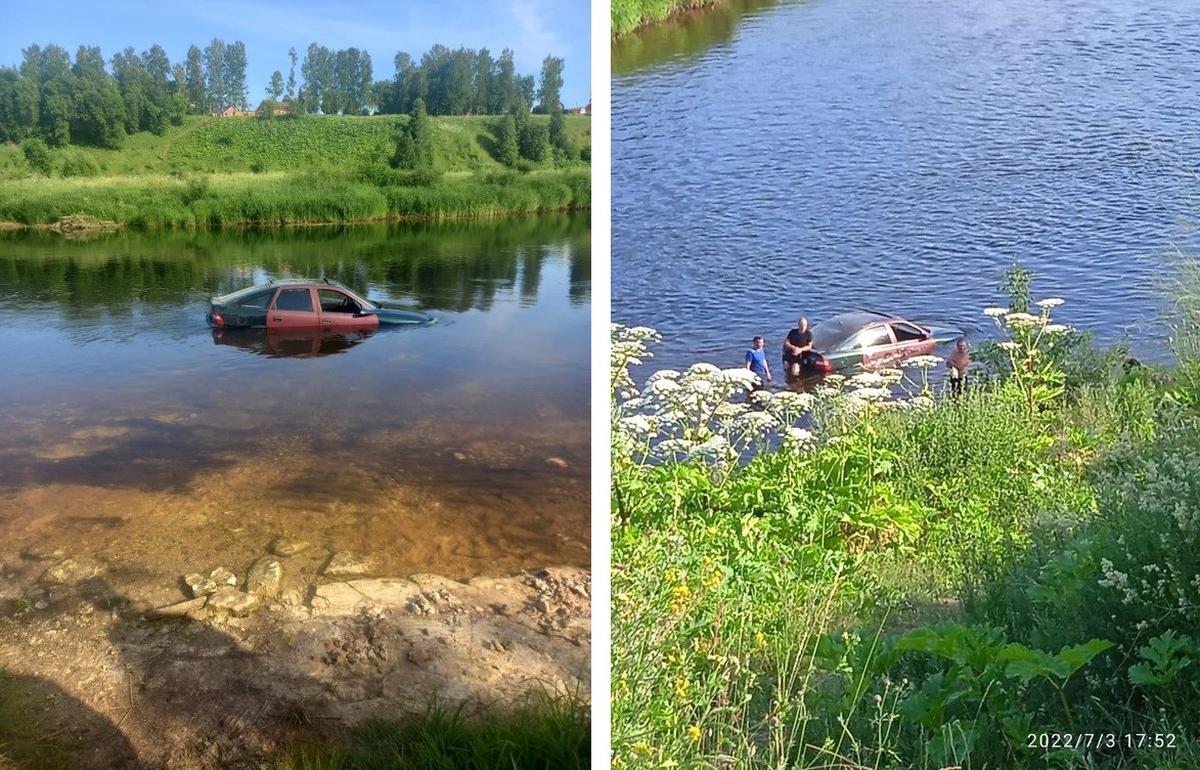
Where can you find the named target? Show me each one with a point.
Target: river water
(812, 157)
(134, 437)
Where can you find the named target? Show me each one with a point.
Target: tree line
(87, 100)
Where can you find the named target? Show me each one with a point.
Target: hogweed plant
(1030, 346)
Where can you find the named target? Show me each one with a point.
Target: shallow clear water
(819, 156)
(130, 433)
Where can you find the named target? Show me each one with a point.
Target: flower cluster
(717, 415)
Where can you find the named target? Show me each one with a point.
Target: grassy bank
(541, 734)
(153, 201)
(914, 582)
(628, 15)
(219, 171)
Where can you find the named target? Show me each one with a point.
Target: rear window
(294, 299)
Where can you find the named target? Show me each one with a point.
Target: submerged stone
(233, 601)
(287, 546)
(264, 577)
(347, 564)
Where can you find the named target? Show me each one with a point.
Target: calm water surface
(133, 435)
(810, 157)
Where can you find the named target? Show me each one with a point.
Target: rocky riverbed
(228, 666)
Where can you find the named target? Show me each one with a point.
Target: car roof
(275, 282)
(838, 327)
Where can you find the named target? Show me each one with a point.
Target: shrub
(37, 153)
(79, 164)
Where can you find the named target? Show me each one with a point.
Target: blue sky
(532, 28)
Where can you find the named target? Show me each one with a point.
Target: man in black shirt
(797, 348)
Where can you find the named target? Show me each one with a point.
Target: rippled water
(845, 153)
(132, 434)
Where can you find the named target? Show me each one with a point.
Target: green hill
(214, 171)
(224, 145)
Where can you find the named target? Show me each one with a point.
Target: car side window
(334, 301)
(872, 337)
(294, 299)
(259, 299)
(907, 332)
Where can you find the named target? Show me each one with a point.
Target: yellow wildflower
(694, 733)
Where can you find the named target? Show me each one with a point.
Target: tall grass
(306, 197)
(539, 734)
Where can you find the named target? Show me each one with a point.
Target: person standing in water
(756, 361)
(959, 363)
(797, 348)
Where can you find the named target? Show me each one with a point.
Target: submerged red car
(298, 303)
(869, 339)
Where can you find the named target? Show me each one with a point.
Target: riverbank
(282, 198)
(895, 578)
(251, 670)
(632, 15)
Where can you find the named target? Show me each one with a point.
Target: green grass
(219, 171)
(542, 733)
(155, 201)
(917, 588)
(628, 15)
(231, 145)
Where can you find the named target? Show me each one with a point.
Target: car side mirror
(367, 311)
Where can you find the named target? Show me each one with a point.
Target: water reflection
(684, 37)
(279, 343)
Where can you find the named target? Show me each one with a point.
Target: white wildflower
(790, 402)
(663, 374)
(865, 380)
(923, 362)
(757, 422)
(870, 394)
(995, 312)
(1007, 345)
(921, 402)
(702, 371)
(640, 425)
(1050, 302)
(1021, 319)
(1056, 328)
(741, 376)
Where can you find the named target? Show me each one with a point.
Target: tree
(291, 81)
(508, 151)
(18, 105)
(414, 140)
(422, 134)
(216, 91)
(481, 102)
(275, 88)
(549, 92)
(564, 148)
(37, 154)
(505, 91)
(194, 80)
(534, 140)
(234, 67)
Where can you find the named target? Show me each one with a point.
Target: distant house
(233, 112)
(584, 110)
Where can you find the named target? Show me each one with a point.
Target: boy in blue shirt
(756, 361)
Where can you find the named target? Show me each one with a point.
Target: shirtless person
(796, 348)
(959, 363)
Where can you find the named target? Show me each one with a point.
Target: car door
(878, 346)
(911, 340)
(340, 310)
(294, 307)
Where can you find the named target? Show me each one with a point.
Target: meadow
(220, 171)
(879, 575)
